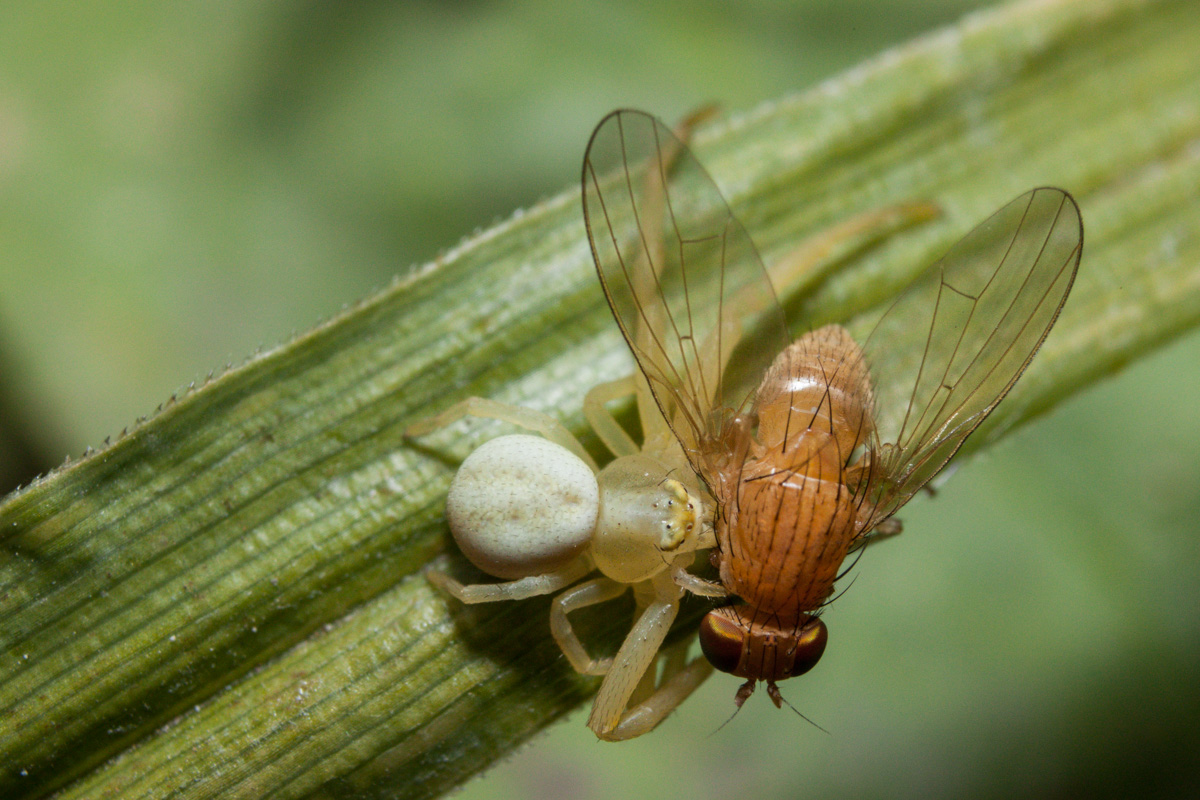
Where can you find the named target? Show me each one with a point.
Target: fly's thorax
(756, 645)
(646, 519)
(787, 539)
(821, 383)
(724, 458)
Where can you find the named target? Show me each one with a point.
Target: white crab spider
(537, 510)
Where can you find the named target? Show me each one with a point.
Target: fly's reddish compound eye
(810, 646)
(721, 641)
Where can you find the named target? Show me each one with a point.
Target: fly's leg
(696, 585)
(616, 714)
(888, 528)
(525, 418)
(520, 589)
(885, 530)
(603, 423)
(585, 594)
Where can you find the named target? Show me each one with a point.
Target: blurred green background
(181, 183)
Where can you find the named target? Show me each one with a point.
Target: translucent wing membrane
(682, 277)
(980, 314)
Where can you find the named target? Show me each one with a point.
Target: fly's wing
(980, 314)
(682, 277)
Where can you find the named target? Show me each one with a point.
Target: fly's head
(759, 646)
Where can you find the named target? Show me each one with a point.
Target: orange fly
(807, 448)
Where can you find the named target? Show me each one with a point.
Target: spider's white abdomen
(522, 505)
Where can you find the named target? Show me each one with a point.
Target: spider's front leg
(586, 594)
(622, 709)
(525, 418)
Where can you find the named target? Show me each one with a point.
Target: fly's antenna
(726, 722)
(801, 716)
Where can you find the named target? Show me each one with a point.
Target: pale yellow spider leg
(672, 659)
(657, 436)
(647, 685)
(645, 270)
(585, 594)
(645, 716)
(526, 418)
(813, 258)
(519, 589)
(637, 654)
(603, 423)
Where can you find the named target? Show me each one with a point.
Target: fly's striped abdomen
(790, 533)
